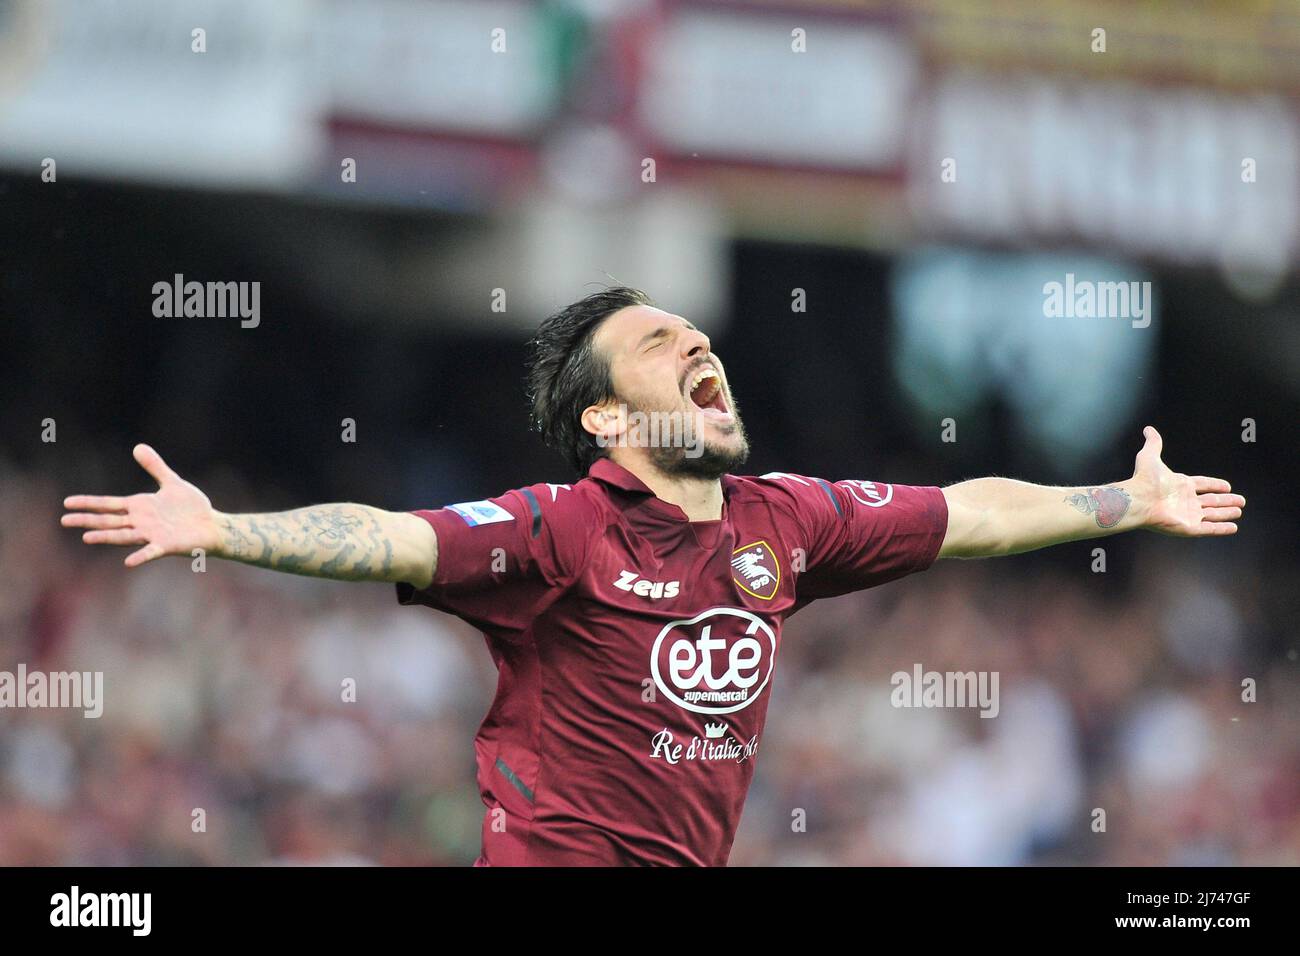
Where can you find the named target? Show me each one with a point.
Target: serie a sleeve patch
(481, 512)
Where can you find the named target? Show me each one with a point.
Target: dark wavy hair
(566, 373)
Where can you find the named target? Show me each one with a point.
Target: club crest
(755, 570)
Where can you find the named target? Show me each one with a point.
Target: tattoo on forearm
(1107, 505)
(334, 541)
(238, 544)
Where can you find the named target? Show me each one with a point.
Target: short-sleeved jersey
(636, 648)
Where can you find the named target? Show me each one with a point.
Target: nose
(694, 342)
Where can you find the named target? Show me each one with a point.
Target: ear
(606, 421)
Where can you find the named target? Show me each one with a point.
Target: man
(635, 615)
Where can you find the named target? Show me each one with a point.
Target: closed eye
(655, 339)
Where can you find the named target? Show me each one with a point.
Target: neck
(700, 498)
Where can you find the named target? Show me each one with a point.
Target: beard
(703, 460)
(710, 465)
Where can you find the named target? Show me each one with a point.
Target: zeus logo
(717, 662)
(633, 582)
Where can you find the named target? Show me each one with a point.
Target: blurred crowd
(1122, 735)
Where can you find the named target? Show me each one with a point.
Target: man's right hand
(345, 541)
(175, 519)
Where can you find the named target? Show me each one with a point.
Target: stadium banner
(203, 92)
(1162, 131)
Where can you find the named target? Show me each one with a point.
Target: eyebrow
(661, 332)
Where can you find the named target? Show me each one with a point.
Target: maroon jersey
(636, 648)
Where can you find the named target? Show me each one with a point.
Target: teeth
(701, 375)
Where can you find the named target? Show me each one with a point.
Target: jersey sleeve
(502, 561)
(860, 533)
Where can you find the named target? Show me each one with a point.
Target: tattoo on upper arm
(1107, 505)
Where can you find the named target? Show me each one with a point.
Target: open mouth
(706, 391)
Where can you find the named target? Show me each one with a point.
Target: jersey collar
(607, 472)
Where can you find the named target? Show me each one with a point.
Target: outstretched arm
(347, 542)
(995, 516)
